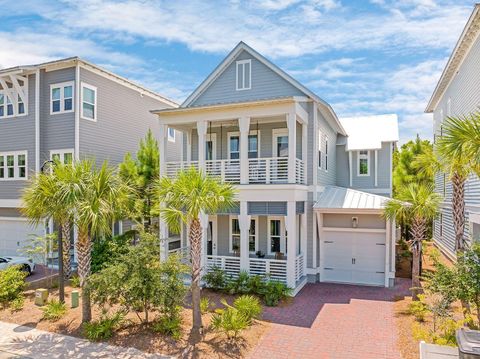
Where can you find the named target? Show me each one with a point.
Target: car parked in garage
(24, 263)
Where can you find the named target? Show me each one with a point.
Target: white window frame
(7, 94)
(276, 133)
(229, 137)
(326, 153)
(62, 153)
(16, 168)
(120, 228)
(250, 133)
(319, 149)
(62, 86)
(171, 137)
(241, 63)
(230, 227)
(283, 242)
(213, 138)
(363, 156)
(95, 108)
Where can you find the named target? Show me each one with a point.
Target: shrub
(17, 304)
(256, 283)
(216, 279)
(75, 281)
(418, 309)
(54, 310)
(274, 291)
(204, 305)
(229, 321)
(12, 284)
(239, 285)
(107, 250)
(171, 326)
(249, 306)
(103, 328)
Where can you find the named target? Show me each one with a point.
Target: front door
(280, 143)
(212, 237)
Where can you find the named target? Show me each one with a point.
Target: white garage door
(354, 257)
(14, 234)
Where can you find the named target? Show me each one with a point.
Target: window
(2, 105)
(319, 149)
(253, 146)
(363, 166)
(234, 146)
(89, 102)
(277, 235)
(235, 235)
(171, 134)
(244, 75)
(21, 106)
(9, 106)
(13, 166)
(63, 156)
(326, 153)
(211, 147)
(61, 97)
(280, 142)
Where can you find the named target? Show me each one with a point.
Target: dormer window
(363, 165)
(244, 75)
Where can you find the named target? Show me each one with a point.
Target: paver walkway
(18, 341)
(329, 321)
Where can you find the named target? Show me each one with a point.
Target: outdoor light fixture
(354, 222)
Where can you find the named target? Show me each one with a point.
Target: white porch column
(202, 132)
(304, 151)
(244, 126)
(292, 145)
(204, 225)
(291, 228)
(188, 136)
(244, 224)
(303, 231)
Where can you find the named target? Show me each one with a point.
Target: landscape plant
(185, 199)
(39, 248)
(54, 310)
(229, 321)
(205, 305)
(104, 327)
(108, 249)
(248, 305)
(12, 285)
(274, 291)
(216, 279)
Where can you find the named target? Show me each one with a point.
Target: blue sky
(363, 57)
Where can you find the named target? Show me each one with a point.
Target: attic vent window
(244, 75)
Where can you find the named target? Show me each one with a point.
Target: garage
(356, 243)
(15, 233)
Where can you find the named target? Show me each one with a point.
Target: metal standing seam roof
(346, 198)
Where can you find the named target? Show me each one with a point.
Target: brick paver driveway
(328, 321)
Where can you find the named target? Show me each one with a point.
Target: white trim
(16, 167)
(213, 219)
(278, 132)
(363, 156)
(326, 153)
(319, 149)
(62, 153)
(350, 171)
(237, 134)
(230, 242)
(77, 113)
(376, 168)
(348, 229)
(11, 203)
(95, 105)
(171, 138)
(242, 63)
(283, 247)
(12, 94)
(213, 138)
(61, 86)
(15, 219)
(229, 136)
(37, 120)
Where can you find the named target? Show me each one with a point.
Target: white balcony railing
(183, 253)
(299, 267)
(260, 170)
(231, 265)
(276, 269)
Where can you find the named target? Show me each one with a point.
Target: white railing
(260, 170)
(299, 267)
(231, 265)
(182, 252)
(276, 269)
(299, 171)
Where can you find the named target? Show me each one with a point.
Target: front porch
(266, 242)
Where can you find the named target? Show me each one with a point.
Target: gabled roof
(72, 61)
(368, 132)
(241, 46)
(341, 198)
(460, 52)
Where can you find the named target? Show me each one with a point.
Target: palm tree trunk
(67, 266)
(195, 236)
(417, 231)
(458, 210)
(84, 254)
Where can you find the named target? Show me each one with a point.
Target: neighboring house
(458, 93)
(68, 109)
(309, 184)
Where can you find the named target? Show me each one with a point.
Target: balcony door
(211, 147)
(212, 236)
(280, 143)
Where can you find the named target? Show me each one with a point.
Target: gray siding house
(458, 93)
(68, 109)
(311, 187)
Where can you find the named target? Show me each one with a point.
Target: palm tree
(183, 200)
(97, 194)
(418, 204)
(458, 154)
(43, 200)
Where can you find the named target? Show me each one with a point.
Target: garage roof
(340, 198)
(368, 132)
